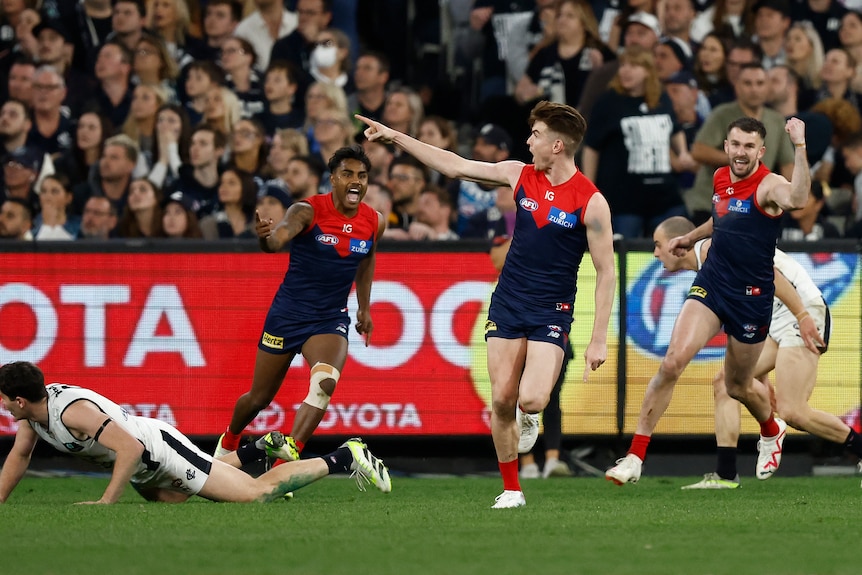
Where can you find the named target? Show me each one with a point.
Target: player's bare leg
(269, 373)
(330, 349)
(740, 364)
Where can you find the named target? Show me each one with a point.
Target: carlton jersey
(548, 243)
(323, 261)
(743, 238)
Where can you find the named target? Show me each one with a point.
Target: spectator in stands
(809, 223)
(127, 23)
(439, 132)
(303, 177)
(837, 74)
(318, 98)
(633, 125)
(852, 152)
(404, 110)
(19, 84)
(752, 89)
(82, 160)
(710, 71)
(248, 149)
(331, 59)
(270, 22)
(170, 19)
(153, 64)
(220, 21)
(140, 125)
(16, 219)
(222, 110)
(142, 216)
(433, 216)
(381, 155)
(805, 54)
(370, 77)
(495, 222)
(237, 196)
(56, 49)
(199, 178)
(20, 170)
(682, 90)
(113, 71)
(850, 34)
(379, 197)
(238, 60)
(15, 124)
(178, 218)
(672, 56)
(118, 161)
(742, 51)
(846, 122)
(26, 41)
(287, 143)
(676, 20)
(825, 16)
(99, 219)
(493, 144)
(313, 16)
(617, 32)
(54, 221)
(51, 131)
(731, 19)
(771, 22)
(279, 90)
(201, 77)
(171, 141)
(273, 202)
(407, 178)
(332, 129)
(94, 22)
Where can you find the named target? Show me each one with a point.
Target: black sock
(249, 453)
(726, 463)
(339, 461)
(853, 443)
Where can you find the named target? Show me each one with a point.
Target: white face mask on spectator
(324, 56)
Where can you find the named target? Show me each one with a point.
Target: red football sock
(509, 471)
(769, 428)
(639, 446)
(278, 462)
(231, 440)
(299, 445)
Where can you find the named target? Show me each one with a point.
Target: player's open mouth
(353, 194)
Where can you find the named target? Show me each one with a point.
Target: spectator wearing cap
(16, 219)
(99, 219)
(672, 55)
(113, 95)
(683, 92)
(731, 19)
(493, 144)
(52, 128)
(56, 49)
(15, 124)
(198, 179)
(641, 29)
(113, 176)
(643, 13)
(127, 23)
(20, 172)
(273, 201)
(826, 17)
(303, 177)
(54, 221)
(771, 23)
(809, 223)
(178, 218)
(676, 21)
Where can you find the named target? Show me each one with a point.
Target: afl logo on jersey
(327, 239)
(529, 204)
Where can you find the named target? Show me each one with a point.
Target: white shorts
(784, 328)
(171, 461)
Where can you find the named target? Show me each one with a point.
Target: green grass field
(784, 526)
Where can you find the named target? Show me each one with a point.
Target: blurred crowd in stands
(181, 118)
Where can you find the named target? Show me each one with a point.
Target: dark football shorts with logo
(745, 317)
(283, 334)
(512, 321)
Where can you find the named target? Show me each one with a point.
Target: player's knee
(505, 406)
(533, 403)
(321, 385)
(671, 368)
(796, 416)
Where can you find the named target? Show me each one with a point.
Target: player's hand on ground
(99, 502)
(262, 227)
(364, 325)
(376, 131)
(594, 356)
(796, 129)
(810, 335)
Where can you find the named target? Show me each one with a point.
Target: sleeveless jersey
(60, 397)
(324, 259)
(743, 238)
(548, 243)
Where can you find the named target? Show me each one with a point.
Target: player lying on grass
(161, 463)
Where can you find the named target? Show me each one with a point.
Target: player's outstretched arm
(600, 239)
(18, 460)
(447, 163)
(84, 418)
(272, 237)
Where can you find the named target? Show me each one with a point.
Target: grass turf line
(785, 526)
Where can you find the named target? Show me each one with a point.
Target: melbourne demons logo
(529, 204)
(327, 239)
